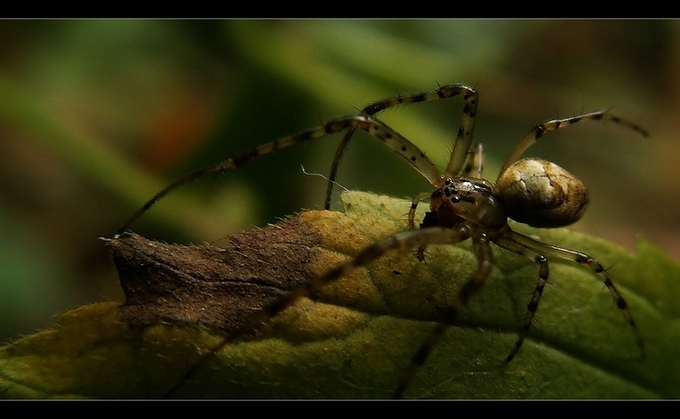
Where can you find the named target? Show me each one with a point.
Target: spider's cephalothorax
(463, 206)
(462, 199)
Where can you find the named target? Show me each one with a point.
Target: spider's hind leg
(539, 252)
(552, 125)
(532, 307)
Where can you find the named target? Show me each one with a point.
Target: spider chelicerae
(463, 206)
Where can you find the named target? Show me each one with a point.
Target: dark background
(96, 116)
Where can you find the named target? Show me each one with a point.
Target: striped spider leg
(378, 129)
(351, 123)
(463, 139)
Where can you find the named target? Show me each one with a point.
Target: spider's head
(467, 199)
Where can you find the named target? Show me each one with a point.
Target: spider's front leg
(482, 250)
(463, 138)
(392, 139)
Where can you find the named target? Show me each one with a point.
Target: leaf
(358, 339)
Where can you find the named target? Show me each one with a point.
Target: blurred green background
(96, 116)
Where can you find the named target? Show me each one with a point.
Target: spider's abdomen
(541, 194)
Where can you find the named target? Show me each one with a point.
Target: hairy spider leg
(482, 249)
(463, 139)
(399, 241)
(540, 252)
(475, 165)
(554, 124)
(399, 144)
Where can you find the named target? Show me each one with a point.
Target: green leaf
(358, 339)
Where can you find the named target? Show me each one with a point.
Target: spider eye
(449, 192)
(542, 194)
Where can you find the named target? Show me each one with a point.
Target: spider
(463, 206)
